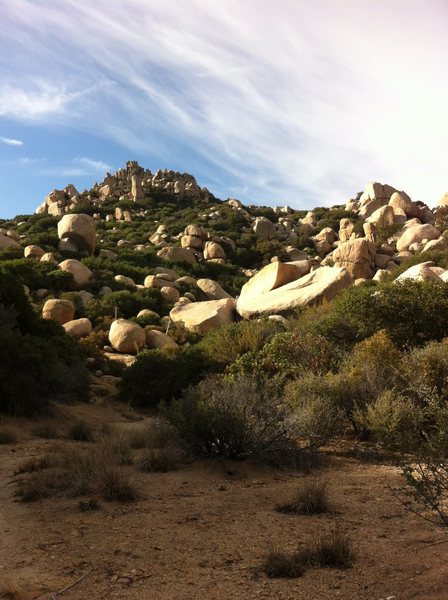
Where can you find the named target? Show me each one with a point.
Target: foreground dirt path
(201, 533)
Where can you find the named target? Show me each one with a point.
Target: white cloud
(11, 141)
(294, 101)
(96, 166)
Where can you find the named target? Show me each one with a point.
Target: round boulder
(59, 310)
(78, 328)
(80, 229)
(81, 274)
(126, 337)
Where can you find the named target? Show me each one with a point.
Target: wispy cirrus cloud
(10, 141)
(291, 101)
(77, 167)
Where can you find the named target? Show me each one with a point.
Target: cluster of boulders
(387, 228)
(130, 183)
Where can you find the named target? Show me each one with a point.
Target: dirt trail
(201, 532)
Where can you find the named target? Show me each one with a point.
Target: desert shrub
(127, 304)
(223, 345)
(286, 356)
(394, 420)
(233, 419)
(319, 405)
(8, 434)
(278, 563)
(160, 376)
(88, 505)
(425, 370)
(412, 313)
(80, 431)
(41, 485)
(154, 434)
(310, 498)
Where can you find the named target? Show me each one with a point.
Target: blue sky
(297, 102)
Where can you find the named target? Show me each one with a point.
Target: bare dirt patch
(202, 531)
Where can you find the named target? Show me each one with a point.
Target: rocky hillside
(141, 252)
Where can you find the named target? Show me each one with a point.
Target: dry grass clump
(159, 460)
(278, 563)
(310, 498)
(153, 434)
(334, 549)
(8, 434)
(78, 471)
(115, 485)
(30, 465)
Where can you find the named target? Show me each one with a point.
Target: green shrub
(38, 361)
(223, 345)
(412, 313)
(394, 421)
(158, 376)
(127, 304)
(319, 413)
(286, 356)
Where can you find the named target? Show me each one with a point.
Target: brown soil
(201, 533)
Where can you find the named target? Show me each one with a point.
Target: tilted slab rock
(320, 285)
(212, 289)
(272, 276)
(201, 317)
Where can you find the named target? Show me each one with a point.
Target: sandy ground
(201, 533)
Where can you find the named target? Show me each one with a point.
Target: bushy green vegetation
(38, 362)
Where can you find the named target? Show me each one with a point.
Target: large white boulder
(126, 337)
(417, 234)
(420, 272)
(212, 289)
(58, 309)
(319, 286)
(78, 328)
(357, 256)
(272, 276)
(81, 274)
(201, 317)
(175, 254)
(80, 230)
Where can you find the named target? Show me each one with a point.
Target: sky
(298, 102)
